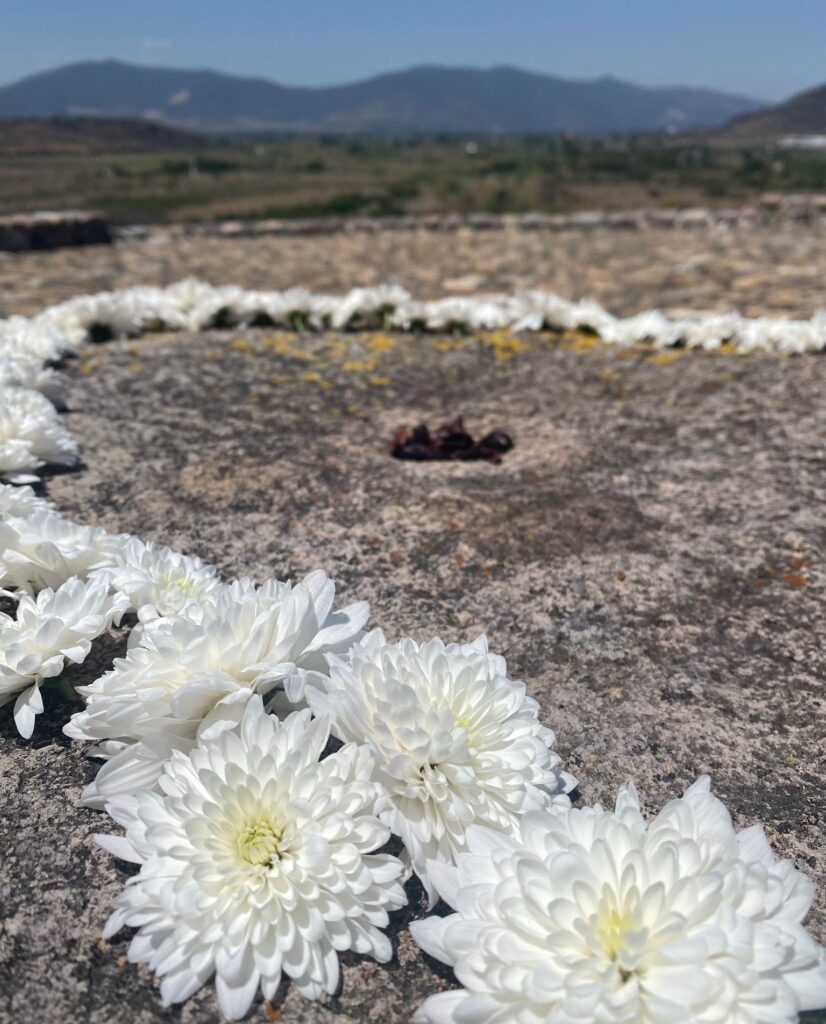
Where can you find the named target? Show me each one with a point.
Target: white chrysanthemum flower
(455, 741)
(256, 860)
(652, 326)
(587, 915)
(490, 314)
(158, 582)
(368, 303)
(55, 627)
(248, 639)
(36, 339)
(42, 549)
(19, 502)
(31, 435)
(711, 331)
(20, 371)
(535, 310)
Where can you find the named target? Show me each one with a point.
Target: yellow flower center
(258, 842)
(183, 582)
(611, 928)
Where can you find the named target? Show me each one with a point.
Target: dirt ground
(649, 557)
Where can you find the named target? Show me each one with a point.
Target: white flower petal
(256, 858)
(609, 918)
(455, 742)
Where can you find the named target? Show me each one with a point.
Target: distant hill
(424, 99)
(803, 114)
(90, 135)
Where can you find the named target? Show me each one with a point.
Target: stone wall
(52, 230)
(806, 208)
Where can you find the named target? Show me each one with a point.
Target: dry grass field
(181, 179)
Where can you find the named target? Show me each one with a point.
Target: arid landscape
(175, 177)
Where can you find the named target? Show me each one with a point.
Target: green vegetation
(299, 177)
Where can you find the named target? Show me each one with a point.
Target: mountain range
(803, 114)
(426, 99)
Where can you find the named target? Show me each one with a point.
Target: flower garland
(259, 849)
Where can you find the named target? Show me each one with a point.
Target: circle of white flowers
(261, 848)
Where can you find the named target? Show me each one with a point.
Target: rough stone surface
(777, 268)
(649, 558)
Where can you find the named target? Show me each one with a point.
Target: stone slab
(650, 559)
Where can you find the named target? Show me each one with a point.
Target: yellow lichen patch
(313, 377)
(280, 343)
(578, 341)
(286, 345)
(213, 357)
(667, 357)
(303, 354)
(336, 348)
(360, 365)
(135, 365)
(448, 344)
(379, 342)
(378, 381)
(608, 375)
(505, 346)
(241, 345)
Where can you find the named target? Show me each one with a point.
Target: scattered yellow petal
(380, 342)
(357, 365)
(336, 348)
(667, 357)
(280, 342)
(578, 341)
(241, 345)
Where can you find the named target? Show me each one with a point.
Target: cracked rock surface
(649, 558)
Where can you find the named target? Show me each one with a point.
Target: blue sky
(763, 48)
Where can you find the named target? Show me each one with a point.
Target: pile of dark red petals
(448, 442)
